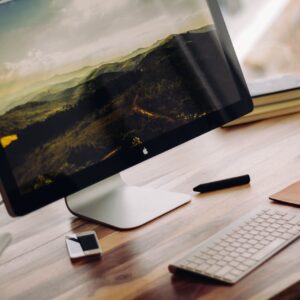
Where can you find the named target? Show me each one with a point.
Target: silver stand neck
(113, 203)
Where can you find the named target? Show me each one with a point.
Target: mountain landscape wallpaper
(80, 81)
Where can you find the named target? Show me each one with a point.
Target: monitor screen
(85, 84)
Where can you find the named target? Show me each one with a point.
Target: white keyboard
(235, 251)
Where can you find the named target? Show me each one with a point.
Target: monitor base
(113, 203)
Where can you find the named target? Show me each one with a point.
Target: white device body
(77, 250)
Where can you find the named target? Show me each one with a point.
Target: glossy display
(84, 100)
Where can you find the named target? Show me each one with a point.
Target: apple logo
(145, 151)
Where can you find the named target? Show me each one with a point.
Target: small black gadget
(222, 184)
(83, 244)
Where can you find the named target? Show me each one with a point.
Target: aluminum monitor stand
(113, 203)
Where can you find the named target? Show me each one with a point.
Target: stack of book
(272, 98)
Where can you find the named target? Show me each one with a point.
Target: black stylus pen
(222, 184)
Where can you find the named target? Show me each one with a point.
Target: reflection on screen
(83, 80)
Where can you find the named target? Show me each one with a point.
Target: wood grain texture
(134, 264)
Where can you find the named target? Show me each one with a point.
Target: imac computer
(91, 88)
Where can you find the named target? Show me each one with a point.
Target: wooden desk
(134, 264)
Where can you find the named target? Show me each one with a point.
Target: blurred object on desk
(5, 240)
(266, 36)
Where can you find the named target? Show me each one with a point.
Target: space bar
(268, 249)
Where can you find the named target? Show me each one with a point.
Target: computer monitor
(91, 88)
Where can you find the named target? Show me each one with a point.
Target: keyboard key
(224, 271)
(248, 236)
(229, 277)
(202, 256)
(236, 272)
(203, 267)
(287, 236)
(234, 263)
(259, 228)
(294, 221)
(275, 244)
(252, 242)
(192, 265)
(217, 257)
(211, 261)
(246, 254)
(252, 250)
(211, 252)
(280, 222)
(247, 246)
(259, 246)
(198, 261)
(240, 250)
(223, 244)
(248, 228)
(275, 225)
(228, 258)
(234, 254)
(294, 230)
(249, 262)
(218, 248)
(242, 268)
(270, 238)
(213, 269)
(242, 232)
(224, 253)
(222, 263)
(276, 234)
(236, 236)
(266, 242)
(229, 248)
(288, 217)
(253, 224)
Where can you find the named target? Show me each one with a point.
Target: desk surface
(134, 264)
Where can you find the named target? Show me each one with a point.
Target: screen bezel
(18, 204)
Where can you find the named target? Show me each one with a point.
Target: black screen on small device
(88, 242)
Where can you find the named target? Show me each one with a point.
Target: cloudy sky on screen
(45, 38)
